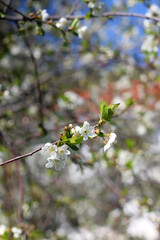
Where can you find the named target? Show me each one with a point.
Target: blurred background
(49, 79)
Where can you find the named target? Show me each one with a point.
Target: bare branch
(23, 156)
(82, 17)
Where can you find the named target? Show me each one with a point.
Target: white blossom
(70, 101)
(149, 44)
(3, 229)
(44, 15)
(61, 23)
(56, 163)
(56, 156)
(63, 152)
(97, 7)
(142, 227)
(49, 150)
(111, 139)
(87, 131)
(154, 10)
(72, 131)
(70, 125)
(82, 32)
(16, 232)
(76, 131)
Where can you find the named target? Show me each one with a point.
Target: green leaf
(2, 15)
(74, 23)
(73, 147)
(129, 164)
(64, 138)
(88, 15)
(79, 140)
(130, 143)
(67, 134)
(110, 114)
(72, 140)
(113, 106)
(100, 134)
(103, 110)
(40, 31)
(129, 102)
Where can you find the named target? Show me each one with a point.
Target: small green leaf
(72, 140)
(88, 15)
(79, 140)
(40, 31)
(110, 114)
(73, 147)
(129, 164)
(2, 15)
(100, 134)
(129, 102)
(113, 106)
(67, 134)
(103, 110)
(74, 23)
(64, 138)
(130, 143)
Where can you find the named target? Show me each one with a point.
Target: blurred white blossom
(61, 23)
(82, 32)
(150, 44)
(70, 100)
(16, 232)
(3, 229)
(142, 227)
(56, 163)
(44, 15)
(97, 7)
(109, 142)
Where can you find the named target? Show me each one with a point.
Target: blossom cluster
(96, 7)
(57, 154)
(16, 232)
(150, 44)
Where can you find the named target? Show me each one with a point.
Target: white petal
(85, 137)
(77, 128)
(106, 147)
(49, 164)
(92, 134)
(59, 165)
(67, 152)
(86, 124)
(53, 155)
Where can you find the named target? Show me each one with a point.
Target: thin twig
(24, 155)
(82, 17)
(15, 10)
(6, 7)
(37, 85)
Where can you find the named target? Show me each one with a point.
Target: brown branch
(82, 17)
(39, 96)
(6, 7)
(37, 86)
(14, 10)
(23, 156)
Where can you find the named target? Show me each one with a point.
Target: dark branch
(82, 17)
(23, 156)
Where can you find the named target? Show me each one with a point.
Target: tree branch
(23, 156)
(81, 17)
